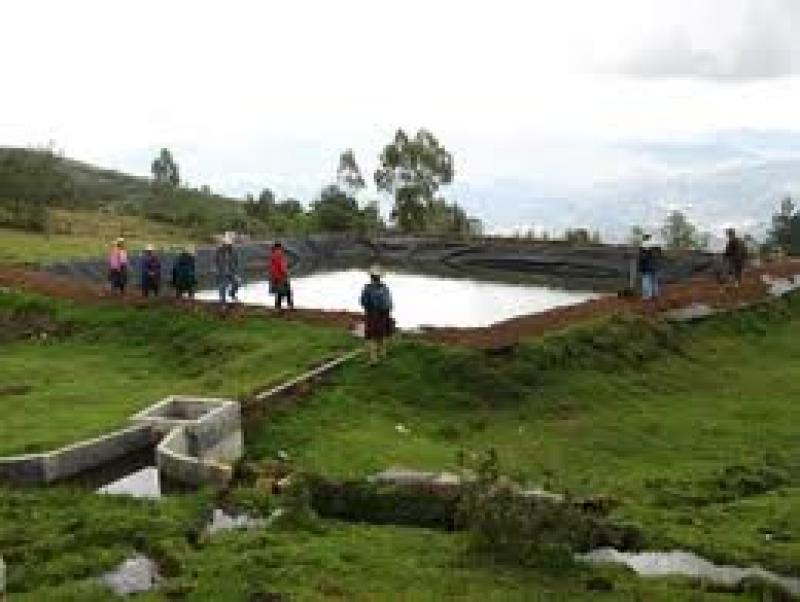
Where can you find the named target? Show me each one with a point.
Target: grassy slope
(102, 363)
(56, 542)
(699, 446)
(85, 233)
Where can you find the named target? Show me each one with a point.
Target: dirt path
(704, 290)
(700, 290)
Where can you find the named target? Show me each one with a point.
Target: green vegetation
(83, 233)
(692, 431)
(69, 371)
(57, 542)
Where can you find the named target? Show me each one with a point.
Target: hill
(33, 182)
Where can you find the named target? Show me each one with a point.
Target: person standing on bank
(226, 263)
(151, 272)
(378, 324)
(184, 275)
(279, 284)
(649, 255)
(118, 266)
(734, 256)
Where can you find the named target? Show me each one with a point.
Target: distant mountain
(727, 179)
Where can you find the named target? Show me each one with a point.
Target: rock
(137, 574)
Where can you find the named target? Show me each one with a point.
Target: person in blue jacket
(151, 272)
(376, 299)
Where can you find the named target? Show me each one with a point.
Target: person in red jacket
(279, 284)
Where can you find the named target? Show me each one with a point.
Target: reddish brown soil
(705, 290)
(87, 292)
(699, 290)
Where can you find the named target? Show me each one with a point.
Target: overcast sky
(267, 93)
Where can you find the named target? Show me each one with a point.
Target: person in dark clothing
(279, 283)
(734, 256)
(184, 277)
(226, 263)
(649, 256)
(151, 272)
(378, 324)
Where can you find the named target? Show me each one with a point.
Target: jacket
(376, 298)
(278, 266)
(226, 261)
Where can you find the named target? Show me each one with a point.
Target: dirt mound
(698, 290)
(705, 290)
(88, 292)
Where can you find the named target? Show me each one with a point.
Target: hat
(376, 271)
(120, 240)
(149, 248)
(227, 238)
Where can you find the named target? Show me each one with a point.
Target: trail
(698, 290)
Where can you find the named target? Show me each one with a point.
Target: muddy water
(420, 300)
(662, 564)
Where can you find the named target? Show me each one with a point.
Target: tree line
(412, 170)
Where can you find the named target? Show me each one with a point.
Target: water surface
(420, 300)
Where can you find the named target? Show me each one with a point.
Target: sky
(557, 93)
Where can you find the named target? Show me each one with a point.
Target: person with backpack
(378, 323)
(649, 258)
(279, 284)
(151, 272)
(118, 266)
(734, 256)
(226, 264)
(184, 275)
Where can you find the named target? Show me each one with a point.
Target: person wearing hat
(279, 277)
(184, 274)
(649, 258)
(378, 324)
(118, 266)
(226, 264)
(151, 272)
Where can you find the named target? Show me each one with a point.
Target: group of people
(376, 299)
(734, 258)
(184, 277)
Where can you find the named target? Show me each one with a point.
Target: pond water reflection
(420, 300)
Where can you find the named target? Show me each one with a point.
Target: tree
(785, 223)
(336, 211)
(442, 217)
(412, 170)
(348, 175)
(165, 170)
(636, 236)
(679, 233)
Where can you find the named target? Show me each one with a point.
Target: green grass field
(99, 364)
(691, 430)
(86, 234)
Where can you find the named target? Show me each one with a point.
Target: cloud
(723, 41)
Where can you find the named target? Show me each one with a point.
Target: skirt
(377, 325)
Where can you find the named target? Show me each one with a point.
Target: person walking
(279, 284)
(118, 266)
(376, 299)
(151, 272)
(184, 274)
(226, 263)
(734, 257)
(649, 255)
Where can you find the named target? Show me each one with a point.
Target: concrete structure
(65, 462)
(199, 441)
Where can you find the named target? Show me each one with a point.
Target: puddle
(135, 575)
(420, 300)
(144, 483)
(662, 564)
